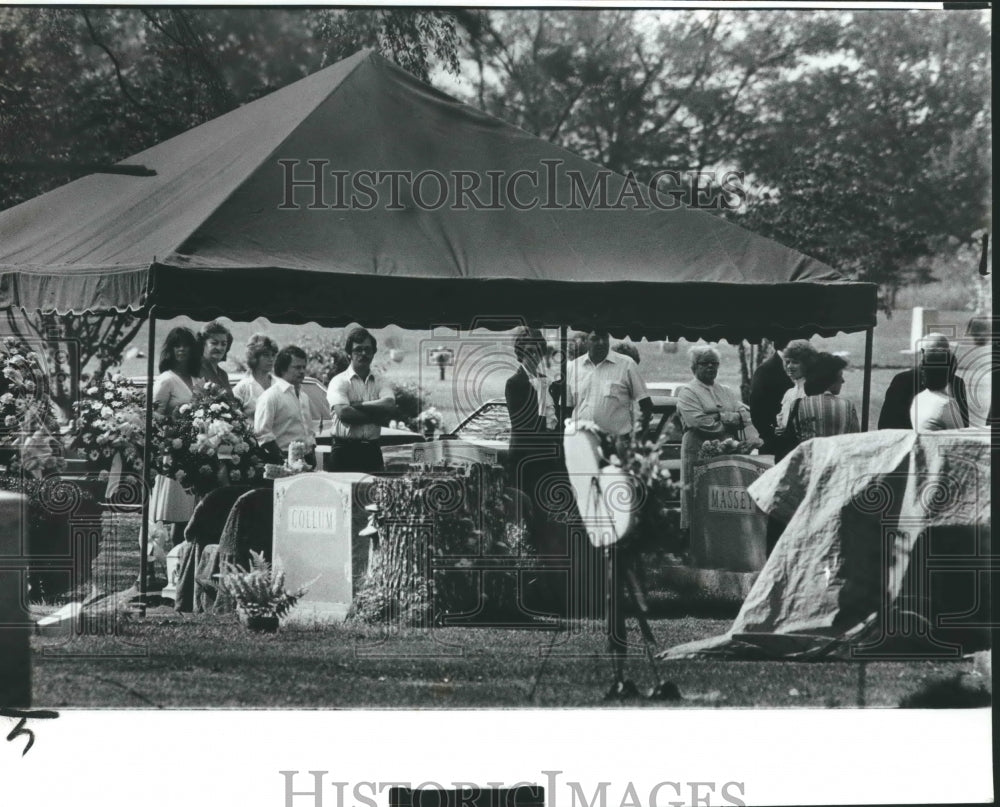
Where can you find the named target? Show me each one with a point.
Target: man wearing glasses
(359, 404)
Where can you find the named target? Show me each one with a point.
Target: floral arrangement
(110, 419)
(28, 423)
(295, 462)
(429, 421)
(259, 591)
(207, 443)
(410, 402)
(719, 448)
(458, 518)
(658, 519)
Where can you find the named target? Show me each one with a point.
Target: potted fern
(259, 593)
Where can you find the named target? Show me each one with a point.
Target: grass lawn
(201, 661)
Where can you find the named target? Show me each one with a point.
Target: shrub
(325, 357)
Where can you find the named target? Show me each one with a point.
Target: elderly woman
(708, 411)
(180, 369)
(798, 356)
(214, 340)
(261, 350)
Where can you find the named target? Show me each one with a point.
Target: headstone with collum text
(317, 517)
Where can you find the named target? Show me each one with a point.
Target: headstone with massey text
(728, 530)
(317, 518)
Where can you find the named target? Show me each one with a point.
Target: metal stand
(621, 576)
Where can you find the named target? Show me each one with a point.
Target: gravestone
(317, 518)
(728, 530)
(15, 663)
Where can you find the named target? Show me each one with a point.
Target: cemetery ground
(169, 660)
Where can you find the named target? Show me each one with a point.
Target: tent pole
(866, 395)
(563, 346)
(147, 461)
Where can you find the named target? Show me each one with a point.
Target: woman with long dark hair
(180, 374)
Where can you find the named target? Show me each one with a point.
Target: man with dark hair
(767, 388)
(360, 403)
(933, 350)
(603, 387)
(535, 445)
(282, 414)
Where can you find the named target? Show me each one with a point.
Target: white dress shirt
(348, 388)
(283, 416)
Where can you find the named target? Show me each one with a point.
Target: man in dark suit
(537, 466)
(535, 441)
(933, 350)
(767, 387)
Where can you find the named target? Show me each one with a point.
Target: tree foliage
(88, 86)
(864, 138)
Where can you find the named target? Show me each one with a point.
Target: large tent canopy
(278, 209)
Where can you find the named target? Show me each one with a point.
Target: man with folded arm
(360, 404)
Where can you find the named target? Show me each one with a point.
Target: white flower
(92, 390)
(214, 408)
(10, 420)
(107, 412)
(108, 396)
(184, 408)
(177, 443)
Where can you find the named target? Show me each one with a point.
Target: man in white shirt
(603, 387)
(282, 414)
(934, 409)
(360, 403)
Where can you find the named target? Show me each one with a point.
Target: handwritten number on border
(22, 715)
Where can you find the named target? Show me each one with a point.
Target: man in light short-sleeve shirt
(359, 403)
(603, 387)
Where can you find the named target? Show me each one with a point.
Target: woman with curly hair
(798, 357)
(215, 340)
(261, 350)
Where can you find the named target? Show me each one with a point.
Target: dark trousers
(355, 455)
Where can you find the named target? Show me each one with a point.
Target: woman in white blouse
(708, 411)
(797, 357)
(261, 350)
(180, 363)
